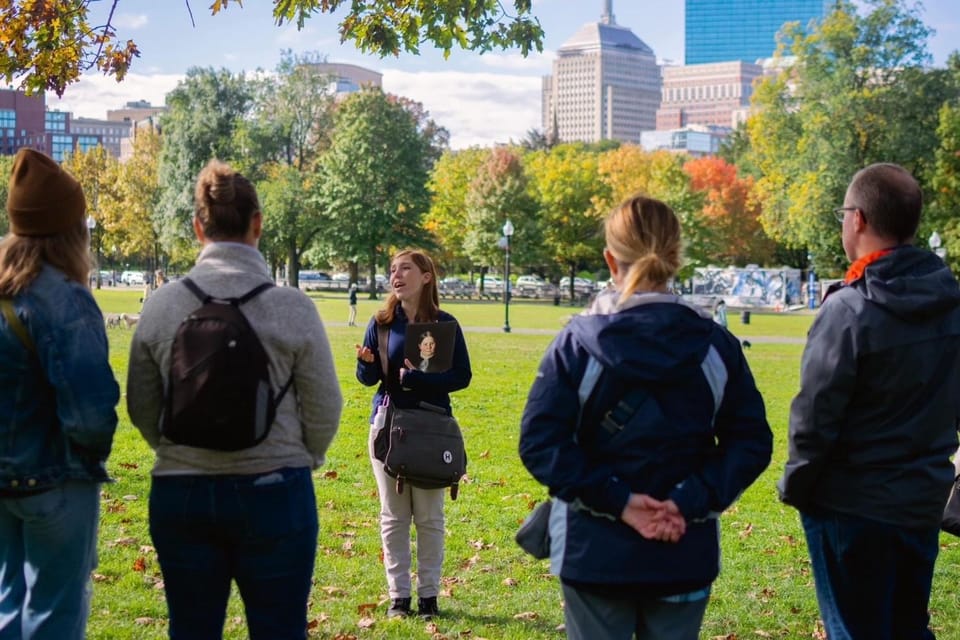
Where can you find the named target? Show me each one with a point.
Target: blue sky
(480, 99)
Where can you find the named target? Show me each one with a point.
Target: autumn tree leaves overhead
(46, 45)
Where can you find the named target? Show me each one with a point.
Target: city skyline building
(605, 85)
(727, 30)
(711, 94)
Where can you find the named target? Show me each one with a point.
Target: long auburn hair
(22, 257)
(428, 309)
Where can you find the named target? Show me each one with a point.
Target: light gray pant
(422, 507)
(589, 616)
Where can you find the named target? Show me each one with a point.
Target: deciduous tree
(859, 90)
(374, 179)
(49, 44)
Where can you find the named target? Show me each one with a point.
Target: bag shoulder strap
(616, 418)
(16, 325)
(383, 338)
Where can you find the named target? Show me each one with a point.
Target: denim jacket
(57, 407)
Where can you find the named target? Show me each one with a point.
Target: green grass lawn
(491, 589)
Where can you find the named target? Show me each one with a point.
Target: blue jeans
(872, 579)
(48, 548)
(259, 530)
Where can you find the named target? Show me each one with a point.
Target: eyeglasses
(841, 212)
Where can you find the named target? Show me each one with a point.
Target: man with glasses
(875, 422)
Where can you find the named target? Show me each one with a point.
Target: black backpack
(219, 394)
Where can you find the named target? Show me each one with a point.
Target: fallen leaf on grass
(527, 615)
(128, 465)
(747, 531)
(762, 633)
(344, 636)
(143, 621)
(332, 591)
(485, 454)
(140, 564)
(130, 497)
(366, 607)
(123, 542)
(432, 627)
(729, 636)
(366, 623)
(99, 577)
(510, 582)
(330, 475)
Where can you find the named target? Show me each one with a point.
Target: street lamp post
(91, 225)
(507, 232)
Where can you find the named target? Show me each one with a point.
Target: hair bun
(221, 189)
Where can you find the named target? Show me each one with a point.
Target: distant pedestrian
(720, 313)
(352, 320)
(875, 422)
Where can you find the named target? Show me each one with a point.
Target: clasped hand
(654, 519)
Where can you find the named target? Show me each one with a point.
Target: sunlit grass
(765, 589)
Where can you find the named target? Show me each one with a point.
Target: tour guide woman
(413, 298)
(634, 535)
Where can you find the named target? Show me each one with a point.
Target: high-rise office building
(605, 85)
(725, 30)
(716, 94)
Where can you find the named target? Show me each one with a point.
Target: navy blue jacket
(875, 423)
(699, 438)
(433, 388)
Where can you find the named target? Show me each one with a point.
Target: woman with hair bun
(246, 515)
(58, 402)
(670, 431)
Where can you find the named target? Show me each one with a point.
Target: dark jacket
(434, 388)
(57, 408)
(700, 438)
(875, 422)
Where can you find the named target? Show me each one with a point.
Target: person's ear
(198, 229)
(611, 262)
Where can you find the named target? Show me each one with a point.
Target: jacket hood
(650, 336)
(910, 283)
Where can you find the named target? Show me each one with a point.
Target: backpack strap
(16, 325)
(616, 418)
(205, 297)
(383, 338)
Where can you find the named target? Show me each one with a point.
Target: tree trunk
(293, 265)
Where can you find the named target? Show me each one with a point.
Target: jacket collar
(855, 272)
(236, 255)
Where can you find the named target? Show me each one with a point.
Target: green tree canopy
(373, 188)
(205, 110)
(857, 90)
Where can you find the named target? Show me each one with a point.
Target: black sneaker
(400, 608)
(427, 607)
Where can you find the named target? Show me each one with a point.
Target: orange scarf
(855, 272)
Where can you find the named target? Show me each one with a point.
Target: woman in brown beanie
(57, 406)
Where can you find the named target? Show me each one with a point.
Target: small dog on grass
(129, 319)
(112, 320)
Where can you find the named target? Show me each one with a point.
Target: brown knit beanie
(43, 200)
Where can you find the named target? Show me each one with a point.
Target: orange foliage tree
(731, 210)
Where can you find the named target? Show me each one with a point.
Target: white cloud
(94, 95)
(130, 21)
(478, 109)
(537, 62)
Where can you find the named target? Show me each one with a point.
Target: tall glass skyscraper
(728, 30)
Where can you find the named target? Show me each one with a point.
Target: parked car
(533, 286)
(133, 278)
(107, 278)
(491, 284)
(454, 287)
(312, 280)
(581, 286)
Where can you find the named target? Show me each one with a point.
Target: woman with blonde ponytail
(645, 423)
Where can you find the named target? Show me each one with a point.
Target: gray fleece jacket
(288, 325)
